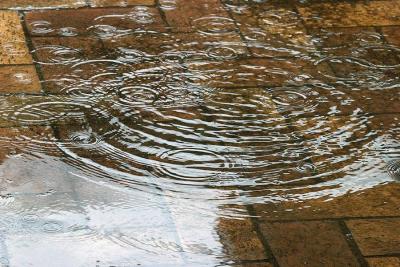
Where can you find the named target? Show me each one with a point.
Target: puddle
(155, 125)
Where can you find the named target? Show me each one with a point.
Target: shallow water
(152, 129)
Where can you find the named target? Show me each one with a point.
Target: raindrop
(57, 54)
(52, 227)
(142, 15)
(41, 27)
(68, 31)
(167, 4)
(215, 25)
(393, 168)
(23, 78)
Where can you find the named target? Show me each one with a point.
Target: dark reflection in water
(149, 139)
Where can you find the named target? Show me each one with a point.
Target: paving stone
(273, 30)
(19, 79)
(13, 49)
(384, 262)
(179, 46)
(57, 57)
(392, 35)
(240, 240)
(308, 244)
(376, 237)
(100, 22)
(333, 100)
(35, 4)
(343, 14)
(258, 72)
(382, 200)
(359, 72)
(356, 43)
(122, 3)
(26, 110)
(208, 16)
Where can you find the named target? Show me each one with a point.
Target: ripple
(137, 95)
(306, 167)
(45, 112)
(393, 169)
(279, 19)
(23, 78)
(41, 27)
(62, 55)
(106, 31)
(192, 164)
(68, 31)
(167, 4)
(222, 53)
(215, 25)
(141, 14)
(84, 138)
(288, 98)
(52, 227)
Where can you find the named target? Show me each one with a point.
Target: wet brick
(19, 79)
(121, 3)
(273, 31)
(308, 244)
(240, 239)
(382, 200)
(384, 262)
(28, 4)
(13, 49)
(258, 72)
(343, 14)
(199, 15)
(57, 57)
(101, 22)
(176, 46)
(376, 237)
(392, 35)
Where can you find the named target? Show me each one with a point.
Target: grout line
(163, 15)
(31, 48)
(352, 243)
(238, 31)
(261, 237)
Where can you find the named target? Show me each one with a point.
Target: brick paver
(122, 3)
(29, 4)
(13, 49)
(309, 244)
(376, 237)
(242, 241)
(199, 15)
(384, 262)
(344, 14)
(19, 79)
(102, 22)
(392, 35)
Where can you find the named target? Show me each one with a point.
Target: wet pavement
(199, 133)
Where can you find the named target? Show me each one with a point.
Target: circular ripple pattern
(393, 168)
(215, 25)
(192, 165)
(62, 55)
(291, 128)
